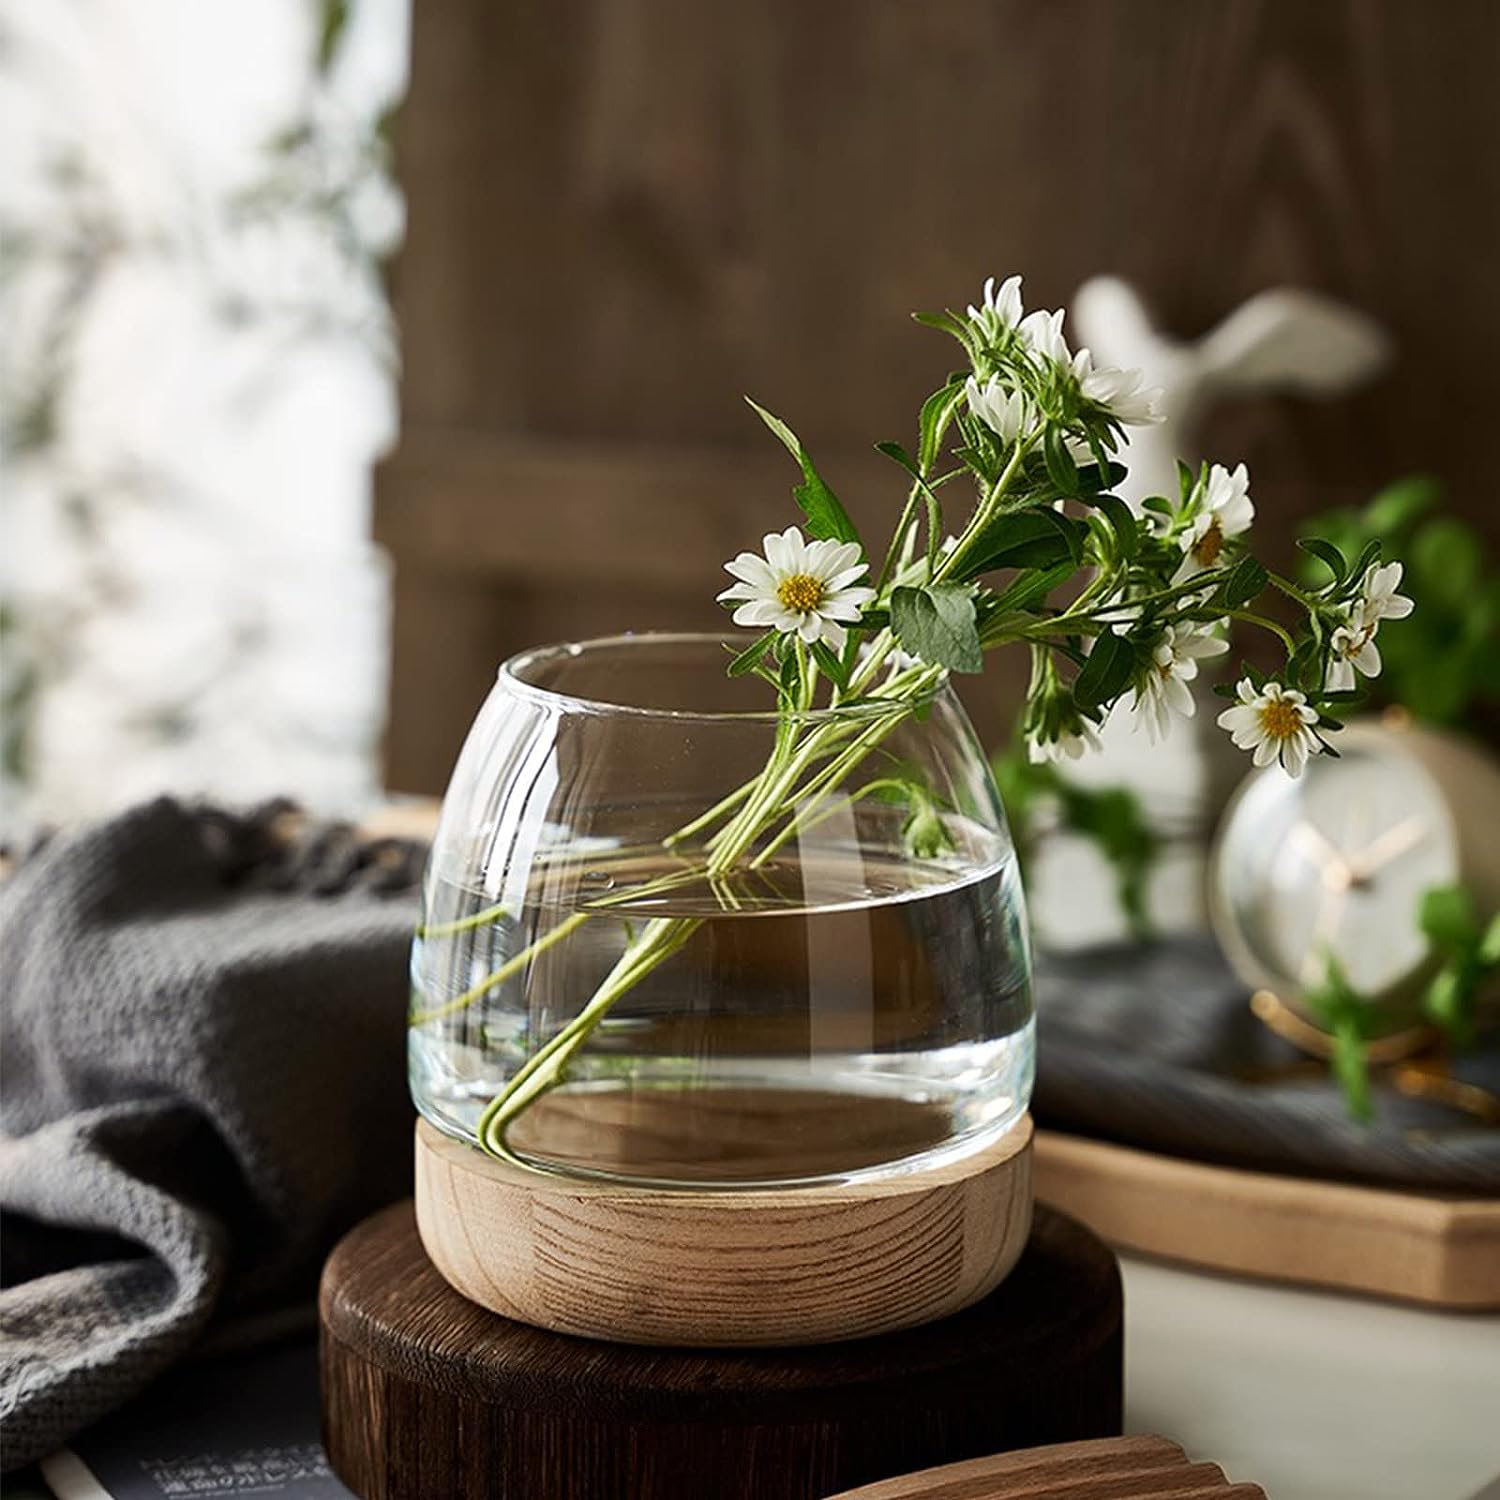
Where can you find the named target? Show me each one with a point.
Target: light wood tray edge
(1438, 1250)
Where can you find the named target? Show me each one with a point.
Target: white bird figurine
(1279, 340)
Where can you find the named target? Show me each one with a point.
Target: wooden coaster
(1124, 1468)
(1440, 1250)
(429, 1397)
(718, 1268)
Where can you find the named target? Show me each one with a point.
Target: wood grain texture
(1442, 1251)
(428, 1397)
(702, 1268)
(624, 214)
(1126, 1468)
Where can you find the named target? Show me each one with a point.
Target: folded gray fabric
(1156, 1047)
(202, 1024)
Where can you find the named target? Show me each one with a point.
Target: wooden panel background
(625, 213)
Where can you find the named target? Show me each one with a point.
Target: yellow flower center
(1210, 544)
(800, 592)
(1280, 719)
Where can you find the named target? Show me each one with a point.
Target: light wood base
(706, 1268)
(1440, 1250)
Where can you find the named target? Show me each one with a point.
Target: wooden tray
(1125, 1468)
(1439, 1250)
(427, 1396)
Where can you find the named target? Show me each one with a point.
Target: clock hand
(1315, 962)
(1391, 845)
(1314, 845)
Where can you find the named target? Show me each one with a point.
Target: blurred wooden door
(626, 213)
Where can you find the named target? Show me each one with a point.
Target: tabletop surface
(1314, 1396)
(1311, 1395)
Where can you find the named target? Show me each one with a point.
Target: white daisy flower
(1351, 646)
(1275, 722)
(1353, 642)
(1043, 332)
(1120, 392)
(1164, 690)
(1070, 744)
(1225, 511)
(799, 588)
(1378, 597)
(999, 310)
(1006, 413)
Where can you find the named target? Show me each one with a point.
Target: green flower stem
(898, 539)
(985, 511)
(707, 820)
(659, 939)
(1251, 618)
(505, 971)
(465, 924)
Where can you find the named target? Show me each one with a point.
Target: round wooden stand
(720, 1268)
(429, 1397)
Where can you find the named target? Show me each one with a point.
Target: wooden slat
(585, 511)
(1127, 1468)
(1436, 1249)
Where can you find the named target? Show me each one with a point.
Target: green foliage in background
(1112, 818)
(1445, 660)
(1469, 953)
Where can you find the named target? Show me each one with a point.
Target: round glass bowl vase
(646, 960)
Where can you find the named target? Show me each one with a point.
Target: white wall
(198, 371)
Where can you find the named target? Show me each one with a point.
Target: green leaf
(932, 425)
(1445, 999)
(826, 518)
(1446, 914)
(1370, 553)
(749, 659)
(1245, 582)
(1038, 538)
(1327, 554)
(1158, 503)
(1032, 586)
(1122, 521)
(937, 624)
(945, 322)
(1351, 1068)
(1061, 469)
(333, 23)
(1186, 479)
(898, 454)
(1106, 673)
(830, 664)
(1489, 944)
(1092, 480)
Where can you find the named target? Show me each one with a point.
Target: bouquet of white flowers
(1009, 536)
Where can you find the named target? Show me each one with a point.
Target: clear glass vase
(848, 995)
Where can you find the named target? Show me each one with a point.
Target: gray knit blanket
(202, 1043)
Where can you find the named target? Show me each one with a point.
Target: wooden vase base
(718, 1268)
(427, 1396)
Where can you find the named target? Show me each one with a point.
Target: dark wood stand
(429, 1397)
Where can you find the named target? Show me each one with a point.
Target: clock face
(1334, 862)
